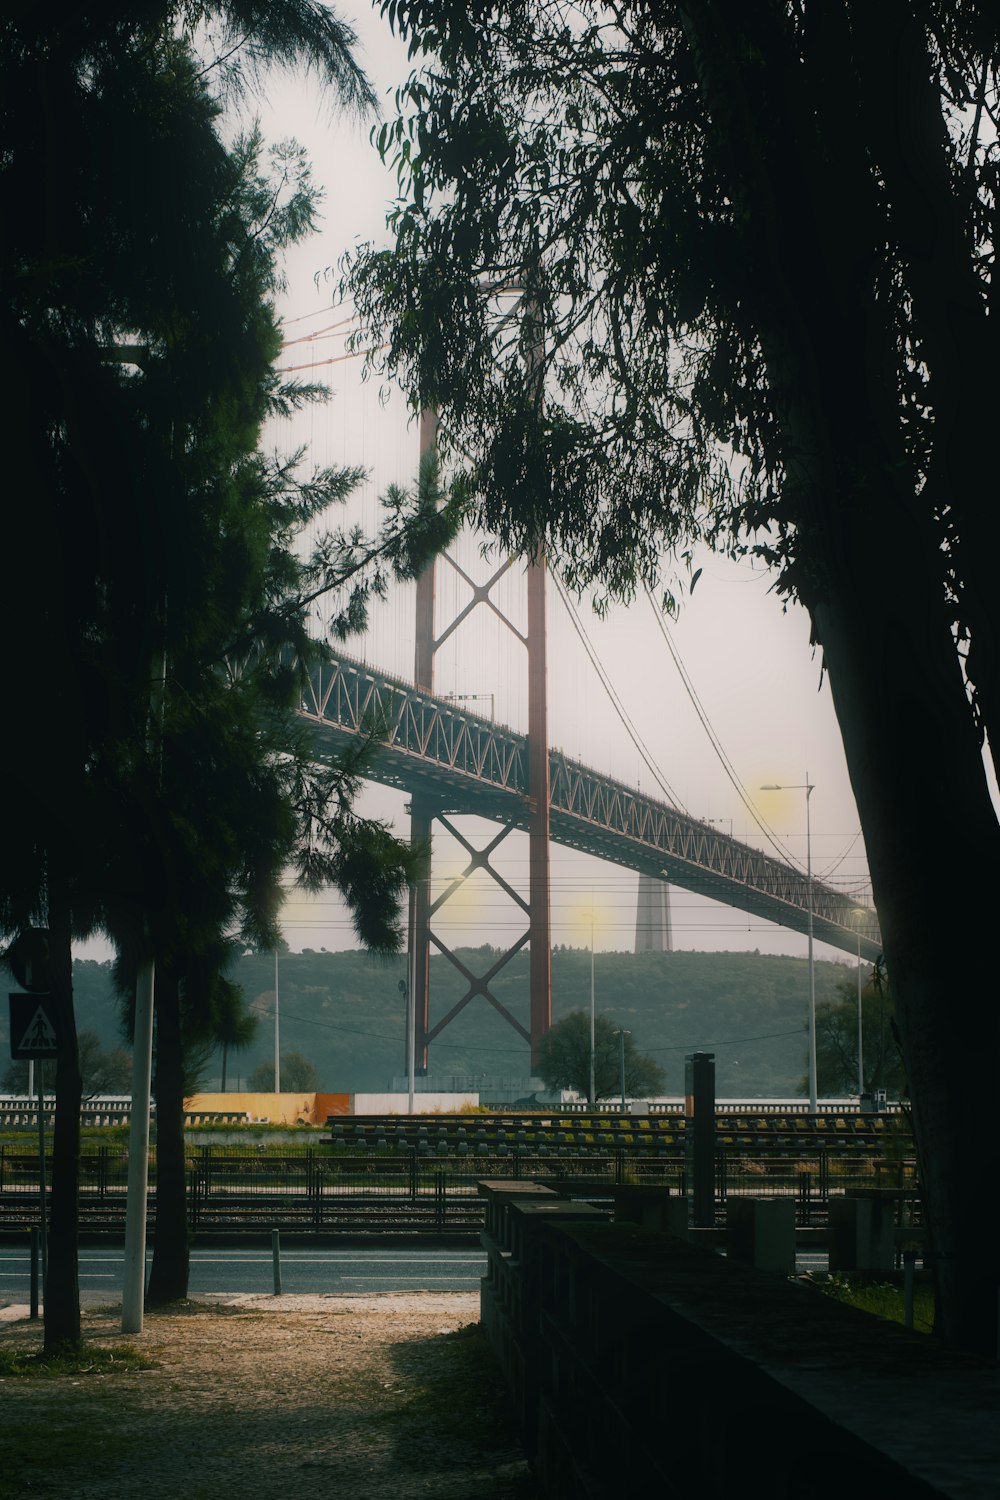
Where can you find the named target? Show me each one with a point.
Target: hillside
(345, 1012)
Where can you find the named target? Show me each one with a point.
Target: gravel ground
(388, 1397)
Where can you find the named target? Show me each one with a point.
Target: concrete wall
(315, 1109)
(398, 1104)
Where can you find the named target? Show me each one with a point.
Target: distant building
(653, 932)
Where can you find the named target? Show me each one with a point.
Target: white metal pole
(592, 1096)
(411, 1004)
(277, 1046)
(134, 1284)
(861, 1066)
(621, 1063)
(134, 1271)
(43, 1211)
(812, 965)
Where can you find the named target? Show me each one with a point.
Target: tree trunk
(170, 1269)
(62, 1278)
(920, 787)
(867, 565)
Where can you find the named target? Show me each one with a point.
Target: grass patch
(116, 1360)
(883, 1299)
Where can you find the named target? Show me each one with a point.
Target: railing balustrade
(399, 1187)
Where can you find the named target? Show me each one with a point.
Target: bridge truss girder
(452, 761)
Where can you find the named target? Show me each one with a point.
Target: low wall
(424, 1104)
(276, 1109)
(640, 1363)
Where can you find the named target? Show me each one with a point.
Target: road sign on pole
(34, 1027)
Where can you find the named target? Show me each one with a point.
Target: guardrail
(401, 1190)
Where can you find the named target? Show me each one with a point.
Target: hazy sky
(755, 676)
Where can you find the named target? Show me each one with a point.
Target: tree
(234, 1031)
(755, 246)
(564, 1059)
(837, 1040)
(298, 1076)
(102, 1071)
(136, 304)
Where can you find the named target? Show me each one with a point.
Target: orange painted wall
(278, 1109)
(330, 1104)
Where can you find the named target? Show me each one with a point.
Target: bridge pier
(424, 810)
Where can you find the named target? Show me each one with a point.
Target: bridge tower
(425, 809)
(653, 927)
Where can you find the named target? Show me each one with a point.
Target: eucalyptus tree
(755, 247)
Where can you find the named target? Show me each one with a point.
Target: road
(235, 1268)
(310, 1269)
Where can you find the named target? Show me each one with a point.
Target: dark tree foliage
(154, 612)
(837, 1041)
(298, 1076)
(564, 1060)
(102, 1070)
(754, 246)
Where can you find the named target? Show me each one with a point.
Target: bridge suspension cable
(724, 760)
(616, 702)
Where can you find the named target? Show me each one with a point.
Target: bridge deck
(469, 764)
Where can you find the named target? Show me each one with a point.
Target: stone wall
(642, 1364)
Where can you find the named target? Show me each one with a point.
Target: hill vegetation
(345, 1013)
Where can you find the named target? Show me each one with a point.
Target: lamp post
(859, 913)
(621, 1033)
(592, 1097)
(409, 988)
(861, 1065)
(807, 787)
(277, 1041)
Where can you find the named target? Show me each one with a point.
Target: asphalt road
(251, 1269)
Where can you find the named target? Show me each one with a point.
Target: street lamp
(593, 1099)
(860, 912)
(277, 1047)
(807, 787)
(621, 1034)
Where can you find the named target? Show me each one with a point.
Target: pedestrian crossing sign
(34, 1030)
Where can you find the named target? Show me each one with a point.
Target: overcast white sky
(749, 662)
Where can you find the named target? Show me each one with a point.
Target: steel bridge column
(422, 811)
(540, 967)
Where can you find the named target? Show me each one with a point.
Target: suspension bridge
(452, 762)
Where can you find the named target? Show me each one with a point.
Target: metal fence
(406, 1191)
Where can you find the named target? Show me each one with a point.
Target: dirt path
(388, 1397)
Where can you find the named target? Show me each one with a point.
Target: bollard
(276, 1258)
(34, 1273)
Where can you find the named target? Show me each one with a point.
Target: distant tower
(653, 932)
